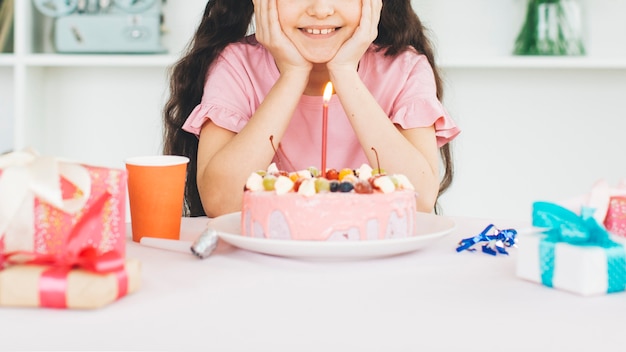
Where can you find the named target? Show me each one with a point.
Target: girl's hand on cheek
(353, 49)
(270, 34)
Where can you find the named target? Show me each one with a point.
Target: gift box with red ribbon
(57, 285)
(62, 233)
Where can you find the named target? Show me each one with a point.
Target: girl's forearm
(412, 153)
(224, 174)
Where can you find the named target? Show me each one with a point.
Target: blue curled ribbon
(497, 240)
(579, 230)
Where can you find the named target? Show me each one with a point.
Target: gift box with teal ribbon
(574, 253)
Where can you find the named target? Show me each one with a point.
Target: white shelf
(535, 62)
(57, 60)
(504, 62)
(7, 60)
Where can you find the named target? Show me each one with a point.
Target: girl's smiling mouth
(317, 31)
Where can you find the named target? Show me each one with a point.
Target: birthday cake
(353, 205)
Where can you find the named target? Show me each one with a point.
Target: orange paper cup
(156, 188)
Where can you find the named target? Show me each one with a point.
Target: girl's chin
(319, 58)
(319, 62)
(321, 55)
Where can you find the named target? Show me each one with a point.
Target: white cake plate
(430, 228)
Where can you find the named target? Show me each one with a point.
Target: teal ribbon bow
(563, 225)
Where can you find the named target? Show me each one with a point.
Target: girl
(239, 102)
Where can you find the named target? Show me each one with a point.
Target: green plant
(551, 27)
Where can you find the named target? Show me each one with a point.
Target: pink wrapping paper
(96, 217)
(615, 221)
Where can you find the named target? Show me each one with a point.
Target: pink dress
(244, 73)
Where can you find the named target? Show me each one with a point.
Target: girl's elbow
(425, 206)
(425, 202)
(215, 205)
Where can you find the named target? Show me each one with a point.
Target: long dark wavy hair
(228, 21)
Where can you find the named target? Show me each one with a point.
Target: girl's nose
(321, 8)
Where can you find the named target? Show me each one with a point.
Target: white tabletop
(432, 299)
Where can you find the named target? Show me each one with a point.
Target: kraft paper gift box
(28, 285)
(574, 254)
(50, 206)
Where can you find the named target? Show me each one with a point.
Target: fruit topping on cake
(309, 182)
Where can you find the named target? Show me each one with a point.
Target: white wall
(181, 20)
(115, 110)
(533, 134)
(528, 134)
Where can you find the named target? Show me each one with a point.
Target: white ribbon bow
(26, 175)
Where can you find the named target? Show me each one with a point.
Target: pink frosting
(322, 216)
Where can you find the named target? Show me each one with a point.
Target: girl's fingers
(376, 9)
(270, 34)
(352, 50)
(367, 30)
(258, 19)
(272, 18)
(370, 16)
(266, 17)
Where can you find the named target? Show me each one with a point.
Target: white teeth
(320, 31)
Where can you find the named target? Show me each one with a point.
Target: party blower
(202, 247)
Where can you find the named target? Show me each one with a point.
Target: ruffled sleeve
(427, 112)
(417, 104)
(229, 97)
(220, 116)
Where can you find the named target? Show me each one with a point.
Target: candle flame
(328, 92)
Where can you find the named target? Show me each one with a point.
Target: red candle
(328, 92)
